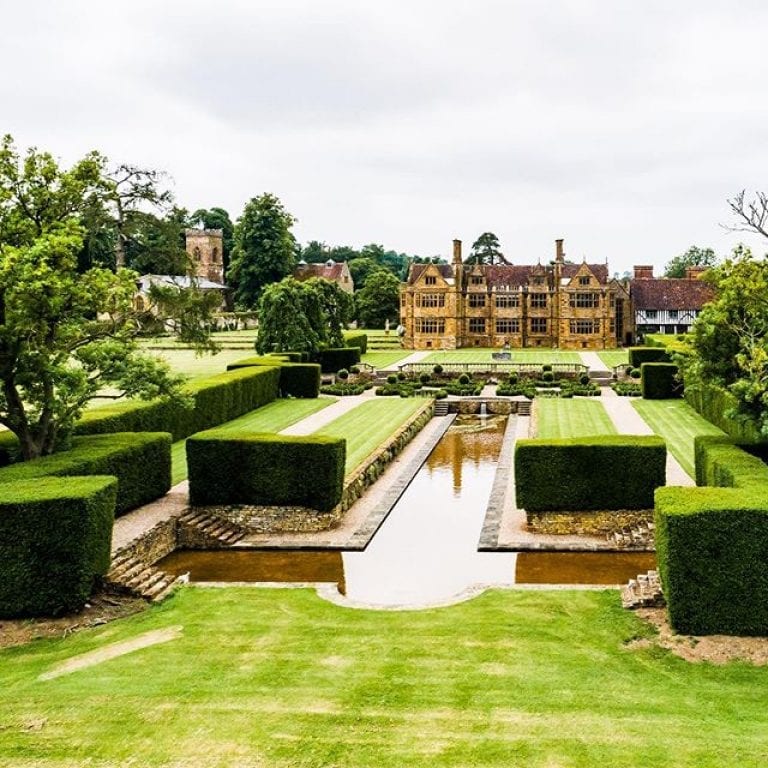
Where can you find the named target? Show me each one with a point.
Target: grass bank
(571, 418)
(280, 678)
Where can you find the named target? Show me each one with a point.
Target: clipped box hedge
(659, 381)
(640, 355)
(334, 359)
(141, 462)
(265, 469)
(216, 399)
(712, 543)
(55, 536)
(589, 473)
(357, 339)
(713, 403)
(296, 379)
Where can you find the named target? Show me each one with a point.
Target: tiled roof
(670, 293)
(511, 275)
(600, 271)
(445, 270)
(328, 271)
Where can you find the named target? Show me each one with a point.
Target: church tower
(205, 249)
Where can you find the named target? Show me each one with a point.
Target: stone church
(558, 304)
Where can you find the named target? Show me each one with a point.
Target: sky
(621, 126)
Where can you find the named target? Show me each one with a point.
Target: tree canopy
(486, 250)
(693, 257)
(65, 335)
(264, 249)
(379, 299)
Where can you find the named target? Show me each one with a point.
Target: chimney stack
(457, 251)
(559, 253)
(694, 272)
(643, 273)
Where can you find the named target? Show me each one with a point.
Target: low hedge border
(227, 467)
(296, 379)
(659, 381)
(712, 543)
(55, 536)
(561, 474)
(141, 462)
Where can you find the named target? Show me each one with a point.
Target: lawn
(385, 359)
(278, 678)
(572, 418)
(484, 354)
(678, 424)
(613, 357)
(370, 424)
(273, 417)
(184, 361)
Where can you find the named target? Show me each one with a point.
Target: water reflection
(581, 567)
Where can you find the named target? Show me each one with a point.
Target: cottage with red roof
(336, 272)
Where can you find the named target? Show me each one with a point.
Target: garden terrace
(496, 367)
(572, 418)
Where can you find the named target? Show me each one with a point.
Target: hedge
(55, 536)
(140, 461)
(254, 468)
(215, 400)
(712, 543)
(713, 403)
(296, 379)
(332, 360)
(640, 355)
(356, 339)
(659, 381)
(589, 473)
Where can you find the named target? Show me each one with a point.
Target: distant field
(484, 354)
(678, 424)
(572, 418)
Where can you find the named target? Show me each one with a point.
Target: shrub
(340, 357)
(392, 378)
(437, 369)
(560, 474)
(640, 355)
(296, 379)
(425, 378)
(584, 379)
(545, 368)
(356, 339)
(249, 468)
(628, 370)
(401, 376)
(464, 379)
(659, 381)
(141, 462)
(715, 405)
(343, 374)
(55, 537)
(635, 373)
(343, 390)
(355, 369)
(215, 400)
(548, 377)
(512, 378)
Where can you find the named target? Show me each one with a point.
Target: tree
(217, 218)
(264, 250)
(336, 309)
(486, 250)
(729, 344)
(315, 252)
(379, 299)
(693, 257)
(752, 215)
(64, 335)
(360, 268)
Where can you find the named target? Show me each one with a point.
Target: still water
(426, 550)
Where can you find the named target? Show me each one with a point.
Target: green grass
(370, 424)
(385, 359)
(184, 361)
(280, 678)
(678, 424)
(572, 418)
(273, 417)
(484, 354)
(612, 357)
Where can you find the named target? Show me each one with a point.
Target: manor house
(560, 304)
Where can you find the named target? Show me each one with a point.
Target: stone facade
(561, 305)
(206, 249)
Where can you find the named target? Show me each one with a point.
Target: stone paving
(415, 357)
(330, 413)
(593, 362)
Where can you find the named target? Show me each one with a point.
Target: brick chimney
(643, 273)
(559, 253)
(457, 251)
(695, 272)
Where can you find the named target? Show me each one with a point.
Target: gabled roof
(670, 293)
(600, 271)
(445, 270)
(330, 271)
(180, 281)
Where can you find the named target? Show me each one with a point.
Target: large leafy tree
(729, 342)
(65, 335)
(379, 299)
(693, 257)
(264, 250)
(486, 250)
(302, 316)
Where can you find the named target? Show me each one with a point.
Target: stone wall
(155, 544)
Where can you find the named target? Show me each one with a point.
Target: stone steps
(640, 535)
(441, 408)
(128, 574)
(643, 592)
(214, 531)
(524, 408)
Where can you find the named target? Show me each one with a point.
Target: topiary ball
(547, 376)
(342, 374)
(634, 373)
(463, 379)
(392, 379)
(424, 378)
(584, 379)
(438, 369)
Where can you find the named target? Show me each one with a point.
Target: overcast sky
(621, 126)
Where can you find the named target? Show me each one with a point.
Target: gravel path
(593, 361)
(327, 415)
